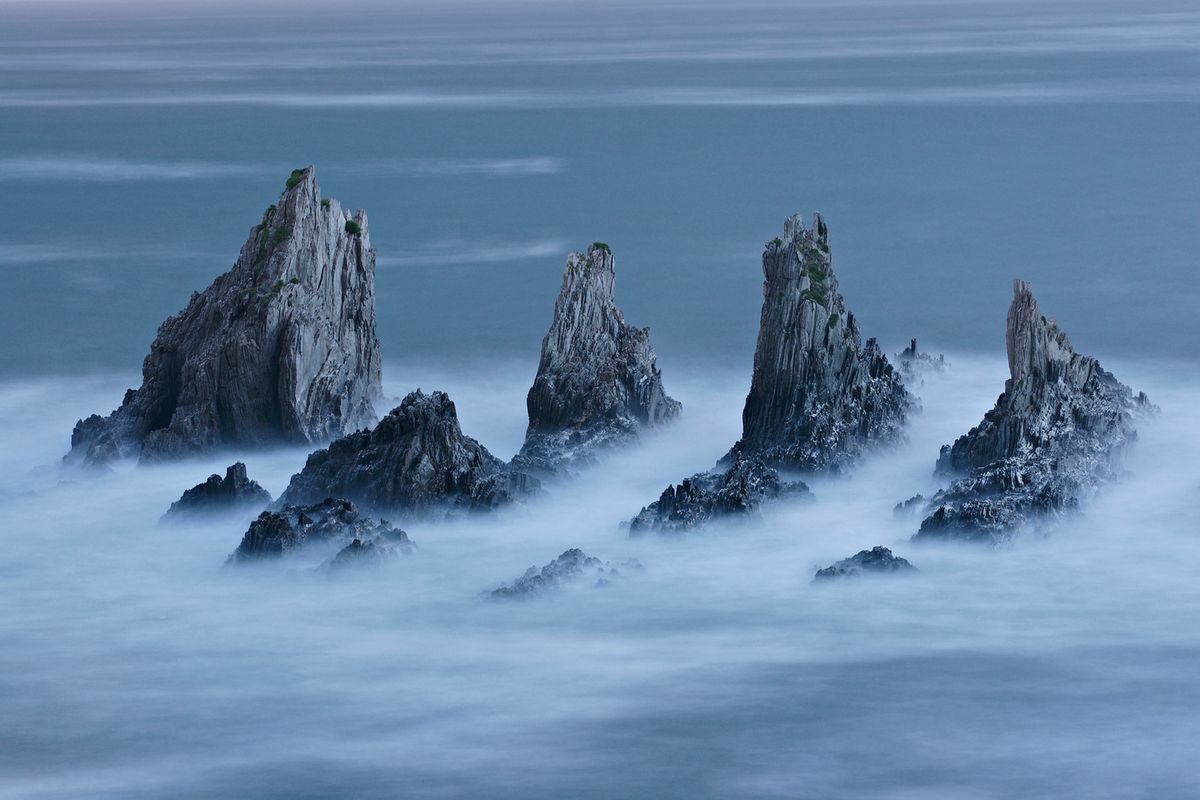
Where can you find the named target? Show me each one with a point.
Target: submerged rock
(281, 348)
(818, 399)
(234, 492)
(572, 566)
(737, 491)
(415, 462)
(361, 554)
(597, 383)
(907, 508)
(875, 560)
(1057, 432)
(331, 521)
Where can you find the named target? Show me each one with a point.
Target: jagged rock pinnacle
(1057, 432)
(416, 462)
(817, 398)
(597, 383)
(281, 348)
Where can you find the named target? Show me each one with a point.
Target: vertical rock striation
(1057, 432)
(416, 462)
(818, 399)
(597, 383)
(281, 348)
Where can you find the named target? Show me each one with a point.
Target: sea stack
(597, 383)
(1057, 432)
(415, 463)
(279, 349)
(818, 399)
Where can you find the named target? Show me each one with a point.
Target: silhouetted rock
(331, 521)
(572, 566)
(910, 506)
(415, 462)
(597, 384)
(739, 490)
(234, 492)
(915, 365)
(875, 560)
(1058, 431)
(282, 348)
(360, 554)
(818, 400)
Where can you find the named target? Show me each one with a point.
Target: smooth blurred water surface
(952, 147)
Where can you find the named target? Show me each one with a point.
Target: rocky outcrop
(818, 398)
(235, 492)
(281, 348)
(415, 462)
(1057, 432)
(597, 383)
(332, 522)
(740, 490)
(877, 560)
(573, 566)
(915, 365)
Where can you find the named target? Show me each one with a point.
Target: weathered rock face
(875, 560)
(415, 462)
(597, 383)
(572, 566)
(1057, 432)
(818, 399)
(739, 490)
(234, 492)
(282, 348)
(332, 522)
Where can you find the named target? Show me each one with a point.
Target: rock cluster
(281, 348)
(234, 492)
(875, 560)
(739, 490)
(818, 398)
(572, 566)
(597, 383)
(415, 462)
(914, 364)
(1058, 431)
(331, 522)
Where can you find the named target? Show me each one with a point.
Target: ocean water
(951, 146)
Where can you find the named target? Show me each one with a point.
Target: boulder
(332, 522)
(235, 492)
(572, 566)
(877, 560)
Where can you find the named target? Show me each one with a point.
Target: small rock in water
(234, 492)
(875, 560)
(332, 521)
(740, 490)
(910, 506)
(572, 566)
(915, 365)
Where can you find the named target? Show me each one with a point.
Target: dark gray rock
(818, 399)
(361, 554)
(235, 492)
(281, 348)
(572, 566)
(331, 522)
(739, 490)
(876, 560)
(909, 507)
(1056, 434)
(597, 383)
(915, 365)
(416, 462)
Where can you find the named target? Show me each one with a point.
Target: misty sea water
(951, 148)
